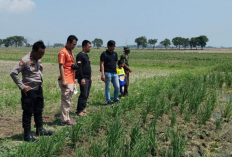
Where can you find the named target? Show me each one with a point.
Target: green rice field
(179, 104)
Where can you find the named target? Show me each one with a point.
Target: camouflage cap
(126, 48)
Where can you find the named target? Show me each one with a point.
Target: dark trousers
(127, 82)
(82, 99)
(32, 103)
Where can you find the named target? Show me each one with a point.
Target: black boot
(28, 136)
(42, 131)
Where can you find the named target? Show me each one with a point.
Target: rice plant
(155, 117)
(162, 106)
(169, 93)
(75, 132)
(97, 120)
(49, 146)
(227, 112)
(207, 109)
(213, 98)
(146, 110)
(212, 78)
(182, 107)
(141, 147)
(220, 79)
(115, 130)
(46, 146)
(96, 149)
(173, 119)
(218, 122)
(117, 111)
(187, 116)
(228, 79)
(166, 135)
(79, 151)
(135, 135)
(152, 139)
(144, 115)
(178, 143)
(177, 99)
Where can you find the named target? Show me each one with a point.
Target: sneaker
(69, 122)
(110, 104)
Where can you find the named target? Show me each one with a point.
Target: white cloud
(16, 6)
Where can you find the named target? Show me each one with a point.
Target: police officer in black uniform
(31, 90)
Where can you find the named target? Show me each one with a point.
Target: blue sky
(121, 20)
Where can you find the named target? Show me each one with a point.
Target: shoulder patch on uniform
(21, 63)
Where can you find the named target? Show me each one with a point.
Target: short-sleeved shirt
(84, 68)
(109, 59)
(31, 70)
(67, 59)
(121, 76)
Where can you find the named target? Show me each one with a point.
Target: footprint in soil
(201, 137)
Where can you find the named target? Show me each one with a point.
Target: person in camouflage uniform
(125, 59)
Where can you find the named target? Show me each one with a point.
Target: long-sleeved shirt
(84, 68)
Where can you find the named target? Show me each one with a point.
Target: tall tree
(177, 41)
(27, 42)
(138, 42)
(144, 41)
(1, 42)
(193, 42)
(165, 43)
(202, 41)
(8, 42)
(14, 41)
(185, 42)
(18, 41)
(152, 42)
(97, 42)
(141, 41)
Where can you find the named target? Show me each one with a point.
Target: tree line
(14, 41)
(19, 41)
(194, 42)
(177, 41)
(97, 42)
